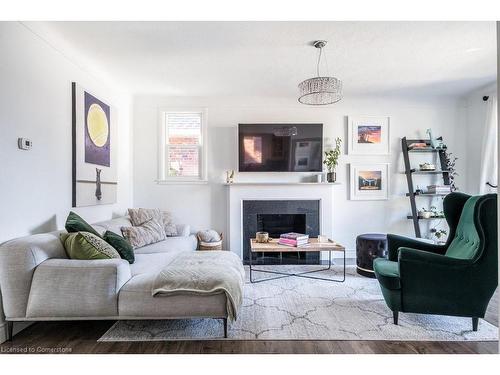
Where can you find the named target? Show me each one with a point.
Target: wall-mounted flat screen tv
(280, 147)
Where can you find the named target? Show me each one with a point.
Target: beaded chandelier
(320, 90)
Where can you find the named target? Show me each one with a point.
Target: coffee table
(274, 247)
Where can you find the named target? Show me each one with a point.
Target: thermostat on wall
(24, 143)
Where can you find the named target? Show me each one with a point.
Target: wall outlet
(24, 143)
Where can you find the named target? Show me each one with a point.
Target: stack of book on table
(294, 239)
(438, 189)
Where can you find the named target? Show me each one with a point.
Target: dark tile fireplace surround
(277, 217)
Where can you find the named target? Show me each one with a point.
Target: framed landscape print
(368, 135)
(369, 181)
(94, 134)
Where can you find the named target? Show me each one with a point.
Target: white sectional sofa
(38, 282)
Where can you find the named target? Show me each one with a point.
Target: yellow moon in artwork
(97, 125)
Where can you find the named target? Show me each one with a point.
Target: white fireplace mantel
(274, 183)
(239, 192)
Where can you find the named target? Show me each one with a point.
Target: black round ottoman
(368, 247)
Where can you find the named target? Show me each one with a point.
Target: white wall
(204, 206)
(35, 102)
(475, 114)
(498, 119)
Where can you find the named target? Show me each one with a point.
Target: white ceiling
(271, 58)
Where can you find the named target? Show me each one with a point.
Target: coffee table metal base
(304, 275)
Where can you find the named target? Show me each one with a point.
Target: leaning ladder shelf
(409, 172)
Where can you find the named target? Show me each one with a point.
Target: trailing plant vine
(450, 163)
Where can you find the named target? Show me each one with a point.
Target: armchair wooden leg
(10, 330)
(395, 316)
(225, 327)
(475, 322)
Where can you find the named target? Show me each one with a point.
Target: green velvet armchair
(457, 278)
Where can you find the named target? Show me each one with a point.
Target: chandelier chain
(319, 61)
(318, 64)
(326, 64)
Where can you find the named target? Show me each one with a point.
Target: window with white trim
(182, 146)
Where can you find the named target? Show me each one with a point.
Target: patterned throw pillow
(150, 232)
(168, 224)
(87, 246)
(139, 216)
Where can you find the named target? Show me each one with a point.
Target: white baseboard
(18, 327)
(349, 254)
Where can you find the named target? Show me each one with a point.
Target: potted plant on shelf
(439, 234)
(332, 160)
(436, 213)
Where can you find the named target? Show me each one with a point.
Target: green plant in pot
(439, 234)
(436, 213)
(332, 160)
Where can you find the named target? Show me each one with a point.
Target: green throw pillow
(121, 245)
(87, 246)
(75, 223)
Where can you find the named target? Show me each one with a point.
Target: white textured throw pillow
(208, 235)
(139, 216)
(145, 234)
(168, 223)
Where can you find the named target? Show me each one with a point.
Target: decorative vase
(262, 237)
(425, 214)
(331, 176)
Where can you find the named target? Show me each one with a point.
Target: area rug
(303, 309)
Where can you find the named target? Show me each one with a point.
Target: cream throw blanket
(204, 273)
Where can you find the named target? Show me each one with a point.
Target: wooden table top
(313, 245)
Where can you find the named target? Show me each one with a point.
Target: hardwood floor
(81, 337)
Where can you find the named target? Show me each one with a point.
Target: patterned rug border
(101, 339)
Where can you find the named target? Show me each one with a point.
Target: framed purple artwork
(94, 133)
(97, 131)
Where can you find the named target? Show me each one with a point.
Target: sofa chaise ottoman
(38, 282)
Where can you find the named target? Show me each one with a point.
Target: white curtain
(489, 152)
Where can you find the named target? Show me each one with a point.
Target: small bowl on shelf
(425, 214)
(427, 167)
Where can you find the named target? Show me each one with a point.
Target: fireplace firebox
(277, 217)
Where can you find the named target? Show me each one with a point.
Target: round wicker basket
(210, 245)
